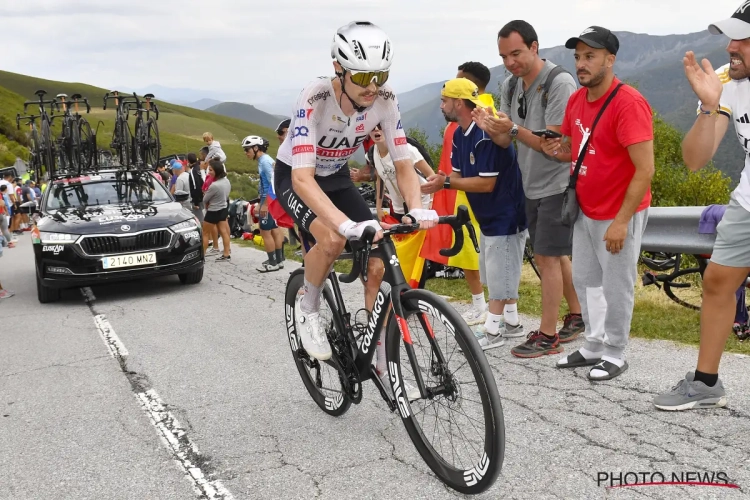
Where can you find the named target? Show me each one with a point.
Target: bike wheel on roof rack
(152, 146)
(87, 148)
(48, 149)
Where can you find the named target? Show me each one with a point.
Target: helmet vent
(343, 55)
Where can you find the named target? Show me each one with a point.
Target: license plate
(134, 259)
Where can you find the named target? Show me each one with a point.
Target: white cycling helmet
(362, 46)
(255, 140)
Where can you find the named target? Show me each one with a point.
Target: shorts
(338, 187)
(500, 261)
(267, 223)
(548, 235)
(732, 246)
(216, 216)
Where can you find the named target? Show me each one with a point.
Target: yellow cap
(462, 88)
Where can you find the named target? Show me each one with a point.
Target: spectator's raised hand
(704, 81)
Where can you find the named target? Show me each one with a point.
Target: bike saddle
(148, 96)
(64, 96)
(40, 93)
(76, 96)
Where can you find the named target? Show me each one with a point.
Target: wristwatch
(513, 130)
(447, 182)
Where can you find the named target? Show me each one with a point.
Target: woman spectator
(4, 217)
(217, 209)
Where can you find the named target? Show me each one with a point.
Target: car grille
(96, 245)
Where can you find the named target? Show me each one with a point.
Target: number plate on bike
(134, 259)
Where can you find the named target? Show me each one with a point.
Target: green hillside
(180, 127)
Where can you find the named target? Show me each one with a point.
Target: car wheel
(191, 278)
(46, 294)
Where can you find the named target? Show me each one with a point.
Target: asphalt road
(157, 390)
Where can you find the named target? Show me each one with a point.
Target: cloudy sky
(264, 46)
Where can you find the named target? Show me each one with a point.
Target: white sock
(311, 300)
(478, 302)
(380, 365)
(589, 354)
(511, 314)
(492, 324)
(596, 372)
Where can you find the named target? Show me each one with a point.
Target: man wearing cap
(490, 177)
(724, 96)
(614, 193)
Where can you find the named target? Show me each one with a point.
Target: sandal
(612, 370)
(576, 359)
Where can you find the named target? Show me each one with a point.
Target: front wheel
(457, 422)
(321, 378)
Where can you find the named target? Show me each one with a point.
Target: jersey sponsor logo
(300, 132)
(743, 119)
(304, 113)
(335, 130)
(304, 148)
(335, 153)
(320, 96)
(360, 128)
(386, 94)
(342, 142)
(399, 141)
(337, 118)
(362, 118)
(55, 249)
(399, 126)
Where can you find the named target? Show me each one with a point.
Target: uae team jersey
(735, 105)
(323, 137)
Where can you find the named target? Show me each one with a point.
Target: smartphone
(549, 134)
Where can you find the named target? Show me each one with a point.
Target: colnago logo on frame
(377, 310)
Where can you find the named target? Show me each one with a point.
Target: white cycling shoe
(411, 392)
(313, 340)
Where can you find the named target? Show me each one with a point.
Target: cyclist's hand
(426, 218)
(353, 230)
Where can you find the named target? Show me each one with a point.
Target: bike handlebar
(362, 247)
(127, 99)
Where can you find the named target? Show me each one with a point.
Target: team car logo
(125, 227)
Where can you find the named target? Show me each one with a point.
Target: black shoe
(224, 258)
(536, 345)
(573, 326)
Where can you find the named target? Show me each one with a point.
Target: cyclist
(282, 129)
(312, 182)
(255, 148)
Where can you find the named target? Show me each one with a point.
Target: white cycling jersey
(323, 137)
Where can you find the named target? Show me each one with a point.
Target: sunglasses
(522, 106)
(365, 78)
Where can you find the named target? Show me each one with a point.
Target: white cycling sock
(511, 314)
(311, 300)
(478, 302)
(492, 324)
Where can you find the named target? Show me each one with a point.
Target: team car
(113, 225)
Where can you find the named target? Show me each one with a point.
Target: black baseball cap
(736, 27)
(596, 37)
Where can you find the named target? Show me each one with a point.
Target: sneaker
(211, 251)
(689, 394)
(537, 345)
(281, 265)
(573, 326)
(474, 316)
(741, 331)
(411, 392)
(267, 267)
(5, 294)
(487, 340)
(511, 331)
(224, 258)
(313, 340)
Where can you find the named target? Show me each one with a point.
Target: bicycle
(528, 255)
(143, 145)
(77, 143)
(42, 143)
(683, 286)
(431, 361)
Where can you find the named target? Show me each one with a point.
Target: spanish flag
(446, 202)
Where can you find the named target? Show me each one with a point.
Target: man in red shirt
(614, 193)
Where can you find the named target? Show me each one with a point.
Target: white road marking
(174, 437)
(116, 348)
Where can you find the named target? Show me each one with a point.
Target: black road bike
(77, 143)
(142, 147)
(457, 423)
(42, 141)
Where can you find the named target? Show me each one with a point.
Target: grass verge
(655, 316)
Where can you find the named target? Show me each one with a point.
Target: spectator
(37, 192)
(208, 180)
(203, 164)
(723, 100)
(525, 109)
(214, 148)
(217, 208)
(196, 183)
(175, 168)
(273, 239)
(446, 202)
(182, 185)
(614, 193)
(4, 216)
(490, 177)
(4, 293)
(282, 129)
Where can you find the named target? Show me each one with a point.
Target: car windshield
(122, 188)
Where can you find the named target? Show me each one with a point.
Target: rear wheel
(36, 154)
(125, 141)
(48, 148)
(686, 288)
(321, 378)
(87, 146)
(457, 425)
(152, 146)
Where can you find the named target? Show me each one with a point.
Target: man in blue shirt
(491, 178)
(273, 238)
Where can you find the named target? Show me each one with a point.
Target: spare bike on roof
(142, 146)
(76, 151)
(42, 142)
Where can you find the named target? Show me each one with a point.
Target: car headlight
(188, 225)
(57, 238)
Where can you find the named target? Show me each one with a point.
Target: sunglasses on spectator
(365, 78)
(522, 106)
